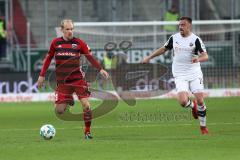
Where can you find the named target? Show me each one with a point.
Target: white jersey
(184, 48)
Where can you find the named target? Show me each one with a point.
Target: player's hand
(145, 60)
(40, 81)
(104, 73)
(195, 59)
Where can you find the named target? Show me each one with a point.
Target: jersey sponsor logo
(180, 49)
(66, 54)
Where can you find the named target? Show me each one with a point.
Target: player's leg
(197, 87)
(182, 87)
(63, 98)
(60, 108)
(183, 98)
(82, 91)
(87, 117)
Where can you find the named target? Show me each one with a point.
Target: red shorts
(64, 92)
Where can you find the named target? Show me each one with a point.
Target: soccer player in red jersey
(70, 78)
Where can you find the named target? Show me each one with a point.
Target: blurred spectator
(109, 63)
(3, 38)
(171, 15)
(121, 59)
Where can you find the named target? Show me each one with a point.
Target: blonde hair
(64, 21)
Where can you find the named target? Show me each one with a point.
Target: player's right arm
(167, 46)
(156, 53)
(45, 66)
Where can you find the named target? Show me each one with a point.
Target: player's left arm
(202, 57)
(97, 65)
(200, 48)
(88, 54)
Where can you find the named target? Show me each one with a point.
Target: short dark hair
(187, 19)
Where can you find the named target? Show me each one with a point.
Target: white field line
(121, 126)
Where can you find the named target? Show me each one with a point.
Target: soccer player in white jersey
(188, 52)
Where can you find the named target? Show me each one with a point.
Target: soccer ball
(47, 131)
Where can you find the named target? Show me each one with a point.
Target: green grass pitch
(153, 129)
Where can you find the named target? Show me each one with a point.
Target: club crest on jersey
(74, 46)
(191, 44)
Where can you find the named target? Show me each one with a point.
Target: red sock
(87, 116)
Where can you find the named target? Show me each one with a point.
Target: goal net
(221, 37)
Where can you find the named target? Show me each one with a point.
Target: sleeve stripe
(198, 46)
(169, 43)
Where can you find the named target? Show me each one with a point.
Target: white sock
(202, 117)
(189, 104)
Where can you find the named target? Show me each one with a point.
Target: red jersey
(67, 57)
